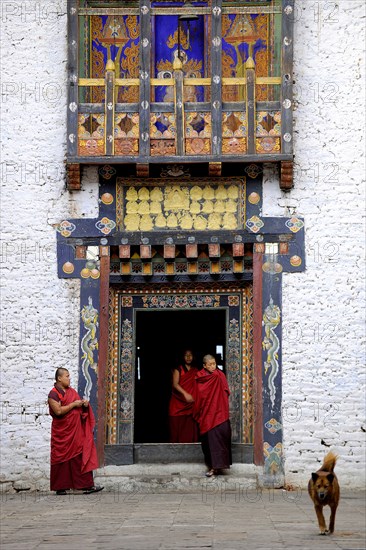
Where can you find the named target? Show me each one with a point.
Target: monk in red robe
(211, 411)
(183, 427)
(73, 452)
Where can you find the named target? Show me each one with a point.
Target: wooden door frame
(243, 451)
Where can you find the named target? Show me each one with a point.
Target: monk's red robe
(183, 428)
(211, 406)
(72, 441)
(211, 411)
(178, 405)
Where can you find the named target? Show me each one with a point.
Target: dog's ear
(330, 477)
(314, 476)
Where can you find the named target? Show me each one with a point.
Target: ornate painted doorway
(145, 327)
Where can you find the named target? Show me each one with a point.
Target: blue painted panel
(254, 196)
(191, 34)
(107, 201)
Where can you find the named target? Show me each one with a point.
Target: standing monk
(73, 452)
(212, 413)
(183, 427)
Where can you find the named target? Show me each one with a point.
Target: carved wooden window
(154, 79)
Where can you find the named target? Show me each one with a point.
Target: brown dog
(323, 489)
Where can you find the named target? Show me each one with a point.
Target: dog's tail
(329, 462)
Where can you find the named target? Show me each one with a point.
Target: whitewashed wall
(323, 314)
(323, 308)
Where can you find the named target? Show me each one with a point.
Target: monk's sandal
(92, 490)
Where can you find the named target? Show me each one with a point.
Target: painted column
(89, 338)
(273, 470)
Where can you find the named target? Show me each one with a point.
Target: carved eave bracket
(215, 169)
(73, 177)
(142, 170)
(287, 175)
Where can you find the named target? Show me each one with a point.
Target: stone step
(148, 478)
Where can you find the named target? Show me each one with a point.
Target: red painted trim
(103, 354)
(257, 358)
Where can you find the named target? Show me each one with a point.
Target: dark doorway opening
(161, 338)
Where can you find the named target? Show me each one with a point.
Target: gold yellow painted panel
(166, 204)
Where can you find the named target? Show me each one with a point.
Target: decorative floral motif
(233, 300)
(126, 410)
(294, 224)
(112, 370)
(248, 368)
(105, 225)
(162, 125)
(181, 301)
(234, 133)
(268, 145)
(253, 171)
(273, 459)
(268, 123)
(233, 361)
(126, 301)
(107, 171)
(254, 224)
(268, 132)
(126, 125)
(233, 358)
(65, 228)
(273, 426)
(175, 171)
(91, 134)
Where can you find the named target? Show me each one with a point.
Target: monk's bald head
(59, 372)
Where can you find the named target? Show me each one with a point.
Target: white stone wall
(323, 308)
(323, 316)
(40, 313)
